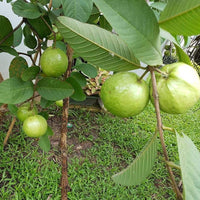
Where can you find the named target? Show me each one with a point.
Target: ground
(99, 146)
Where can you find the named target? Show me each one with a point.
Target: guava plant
(116, 36)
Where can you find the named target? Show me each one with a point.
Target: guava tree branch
(9, 34)
(9, 131)
(63, 138)
(159, 127)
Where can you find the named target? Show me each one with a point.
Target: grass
(100, 145)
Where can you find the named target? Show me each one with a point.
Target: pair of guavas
(178, 87)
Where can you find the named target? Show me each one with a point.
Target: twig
(22, 53)
(63, 138)
(9, 34)
(141, 77)
(9, 132)
(159, 126)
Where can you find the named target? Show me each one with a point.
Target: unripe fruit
(124, 95)
(179, 89)
(54, 62)
(25, 111)
(35, 126)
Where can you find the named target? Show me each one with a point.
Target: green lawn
(100, 145)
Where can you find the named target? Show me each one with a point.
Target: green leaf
(96, 45)
(141, 167)
(14, 91)
(30, 41)
(87, 69)
(77, 9)
(40, 26)
(49, 131)
(181, 17)
(61, 45)
(13, 109)
(44, 103)
(53, 89)
(189, 161)
(27, 10)
(79, 78)
(30, 73)
(56, 3)
(17, 37)
(17, 66)
(26, 31)
(5, 29)
(182, 56)
(9, 50)
(44, 143)
(103, 23)
(137, 25)
(78, 94)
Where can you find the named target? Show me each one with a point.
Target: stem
(22, 53)
(9, 34)
(141, 77)
(9, 132)
(63, 138)
(159, 126)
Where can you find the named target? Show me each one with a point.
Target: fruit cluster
(34, 125)
(178, 87)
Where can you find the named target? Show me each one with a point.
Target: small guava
(25, 111)
(54, 62)
(35, 126)
(59, 103)
(124, 95)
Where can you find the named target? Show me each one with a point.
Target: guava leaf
(79, 78)
(77, 9)
(14, 90)
(87, 69)
(40, 26)
(17, 37)
(141, 167)
(13, 109)
(182, 56)
(53, 89)
(9, 50)
(30, 41)
(30, 73)
(5, 29)
(44, 143)
(17, 66)
(137, 25)
(78, 94)
(49, 131)
(181, 17)
(103, 23)
(44, 103)
(27, 10)
(189, 161)
(99, 47)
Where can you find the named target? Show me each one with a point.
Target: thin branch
(141, 77)
(9, 132)
(33, 62)
(159, 126)
(9, 34)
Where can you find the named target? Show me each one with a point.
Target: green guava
(54, 62)
(178, 88)
(124, 95)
